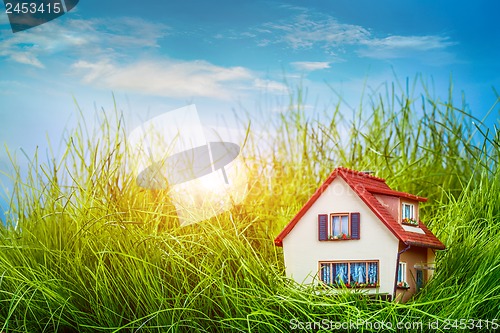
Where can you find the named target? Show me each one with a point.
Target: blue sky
(155, 56)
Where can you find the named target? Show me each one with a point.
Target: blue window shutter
(355, 229)
(323, 227)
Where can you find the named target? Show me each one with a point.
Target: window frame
(419, 279)
(349, 283)
(412, 219)
(403, 204)
(402, 281)
(402, 268)
(331, 228)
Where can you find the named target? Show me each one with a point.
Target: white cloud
(25, 58)
(434, 47)
(422, 43)
(166, 77)
(129, 32)
(79, 38)
(304, 32)
(313, 30)
(310, 65)
(109, 54)
(301, 31)
(235, 35)
(270, 86)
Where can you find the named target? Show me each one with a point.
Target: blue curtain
(400, 272)
(407, 211)
(345, 224)
(358, 272)
(341, 270)
(372, 272)
(325, 273)
(340, 225)
(338, 273)
(335, 225)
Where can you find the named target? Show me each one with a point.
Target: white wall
(302, 249)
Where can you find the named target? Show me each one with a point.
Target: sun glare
(210, 195)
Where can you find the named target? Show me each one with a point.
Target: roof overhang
(396, 194)
(429, 246)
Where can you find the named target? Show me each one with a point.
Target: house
(355, 231)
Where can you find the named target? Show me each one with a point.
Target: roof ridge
(359, 173)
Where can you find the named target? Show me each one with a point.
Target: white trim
(412, 210)
(331, 231)
(402, 265)
(416, 230)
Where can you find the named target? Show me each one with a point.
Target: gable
(338, 198)
(390, 203)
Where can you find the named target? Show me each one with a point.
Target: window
(352, 274)
(402, 272)
(408, 211)
(338, 226)
(408, 214)
(402, 283)
(420, 279)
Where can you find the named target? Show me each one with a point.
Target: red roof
(365, 186)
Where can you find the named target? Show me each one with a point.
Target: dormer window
(408, 211)
(408, 214)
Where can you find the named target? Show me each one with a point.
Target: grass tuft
(86, 250)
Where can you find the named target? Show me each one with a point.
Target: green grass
(87, 250)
